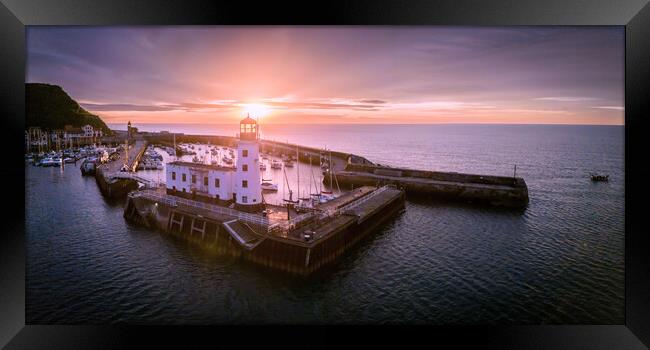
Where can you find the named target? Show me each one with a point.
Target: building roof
(202, 166)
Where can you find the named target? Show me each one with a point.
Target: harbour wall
(283, 254)
(481, 189)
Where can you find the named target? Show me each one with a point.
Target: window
(174, 188)
(183, 189)
(244, 167)
(244, 153)
(244, 199)
(184, 178)
(216, 182)
(216, 196)
(193, 178)
(205, 181)
(173, 175)
(244, 183)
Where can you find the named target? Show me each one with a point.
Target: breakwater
(482, 189)
(300, 246)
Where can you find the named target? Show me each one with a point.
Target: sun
(255, 110)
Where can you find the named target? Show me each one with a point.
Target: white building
(187, 179)
(219, 184)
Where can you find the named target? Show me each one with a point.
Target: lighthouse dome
(248, 129)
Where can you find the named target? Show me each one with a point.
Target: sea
(558, 261)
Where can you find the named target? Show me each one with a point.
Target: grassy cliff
(49, 107)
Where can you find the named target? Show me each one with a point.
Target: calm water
(559, 261)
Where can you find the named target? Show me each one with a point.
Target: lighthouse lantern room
(248, 191)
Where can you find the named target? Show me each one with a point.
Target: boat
(262, 166)
(599, 178)
(47, 161)
(196, 159)
(276, 164)
(268, 186)
(69, 160)
(288, 163)
(88, 167)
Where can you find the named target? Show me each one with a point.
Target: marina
(225, 203)
(237, 190)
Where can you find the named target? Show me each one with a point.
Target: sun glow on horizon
(255, 110)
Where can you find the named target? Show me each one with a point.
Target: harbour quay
(503, 191)
(117, 178)
(298, 245)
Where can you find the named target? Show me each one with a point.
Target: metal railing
(175, 201)
(363, 199)
(132, 176)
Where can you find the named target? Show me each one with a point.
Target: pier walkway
(135, 153)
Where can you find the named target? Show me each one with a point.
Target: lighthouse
(248, 190)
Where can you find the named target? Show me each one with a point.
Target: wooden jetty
(300, 245)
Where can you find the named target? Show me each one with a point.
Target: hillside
(49, 107)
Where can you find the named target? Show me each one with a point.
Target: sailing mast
(330, 170)
(298, 170)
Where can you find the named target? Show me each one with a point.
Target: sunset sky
(532, 75)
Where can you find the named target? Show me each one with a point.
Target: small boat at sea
(599, 178)
(268, 186)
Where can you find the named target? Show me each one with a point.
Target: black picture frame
(633, 14)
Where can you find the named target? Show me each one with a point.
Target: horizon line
(235, 123)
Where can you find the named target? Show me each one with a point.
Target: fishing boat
(268, 186)
(599, 178)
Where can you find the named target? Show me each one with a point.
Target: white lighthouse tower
(248, 191)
